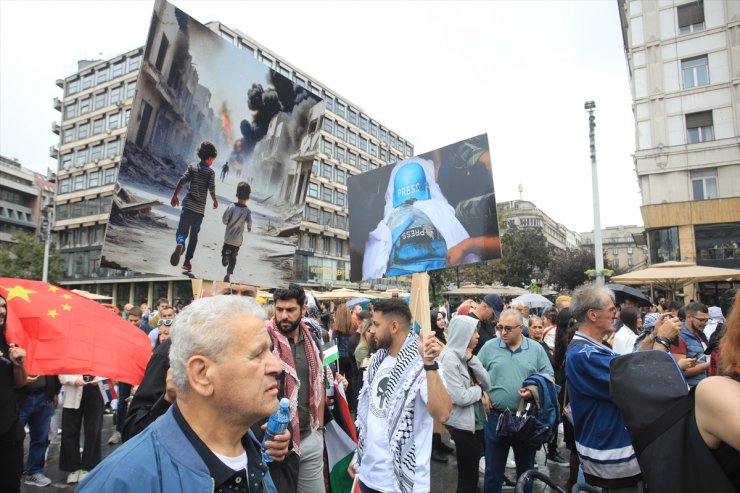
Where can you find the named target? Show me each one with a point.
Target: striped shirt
(202, 180)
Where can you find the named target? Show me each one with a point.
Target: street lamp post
(598, 252)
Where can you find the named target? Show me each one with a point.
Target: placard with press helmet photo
(428, 212)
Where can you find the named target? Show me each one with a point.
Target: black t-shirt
(486, 332)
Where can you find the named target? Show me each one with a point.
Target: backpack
(658, 411)
(416, 244)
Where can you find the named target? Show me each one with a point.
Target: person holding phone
(688, 349)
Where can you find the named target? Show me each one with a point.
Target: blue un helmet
(410, 183)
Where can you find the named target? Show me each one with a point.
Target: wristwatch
(433, 367)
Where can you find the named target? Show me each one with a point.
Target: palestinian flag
(331, 353)
(340, 442)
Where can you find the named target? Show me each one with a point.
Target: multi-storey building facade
(24, 196)
(620, 248)
(525, 214)
(95, 109)
(684, 65)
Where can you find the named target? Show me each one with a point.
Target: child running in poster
(202, 180)
(235, 217)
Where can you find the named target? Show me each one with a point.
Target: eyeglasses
(165, 321)
(700, 320)
(507, 328)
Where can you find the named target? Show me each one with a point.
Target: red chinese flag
(66, 333)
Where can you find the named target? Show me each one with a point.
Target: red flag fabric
(64, 332)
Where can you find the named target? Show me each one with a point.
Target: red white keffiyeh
(283, 352)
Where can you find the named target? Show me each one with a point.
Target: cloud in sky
(435, 72)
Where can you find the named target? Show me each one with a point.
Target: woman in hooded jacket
(468, 383)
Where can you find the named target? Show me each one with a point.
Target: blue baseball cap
(495, 302)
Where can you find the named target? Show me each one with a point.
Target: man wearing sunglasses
(166, 316)
(691, 343)
(509, 360)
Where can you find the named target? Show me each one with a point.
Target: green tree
(25, 259)
(567, 268)
(522, 250)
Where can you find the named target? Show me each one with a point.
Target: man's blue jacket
(159, 459)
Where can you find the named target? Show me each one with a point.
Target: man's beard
(293, 326)
(383, 343)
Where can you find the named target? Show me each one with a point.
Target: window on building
(384, 154)
(704, 184)
(73, 86)
(327, 194)
(695, 71)
(327, 147)
(105, 204)
(68, 135)
(313, 190)
(363, 123)
(629, 250)
(315, 167)
(373, 129)
(66, 160)
(92, 207)
(352, 159)
(130, 89)
(70, 111)
(341, 222)
(352, 138)
(363, 164)
(374, 149)
(699, 127)
(87, 81)
(718, 244)
(363, 143)
(352, 116)
(126, 116)
(134, 63)
(85, 105)
(341, 176)
(341, 154)
(101, 75)
(690, 17)
(62, 211)
(83, 130)
(81, 156)
(117, 69)
(312, 214)
(75, 209)
(327, 171)
(340, 198)
(109, 176)
(383, 136)
(340, 109)
(664, 245)
(329, 103)
(327, 218)
(341, 132)
(615, 250)
(116, 93)
(64, 185)
(114, 121)
(96, 153)
(93, 179)
(100, 100)
(327, 125)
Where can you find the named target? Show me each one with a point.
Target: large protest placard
(207, 120)
(428, 212)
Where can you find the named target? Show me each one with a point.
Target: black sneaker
(175, 257)
(558, 460)
(227, 278)
(439, 457)
(444, 448)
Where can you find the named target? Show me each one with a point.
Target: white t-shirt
(624, 340)
(376, 470)
(549, 337)
(236, 463)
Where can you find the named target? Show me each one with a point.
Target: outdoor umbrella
(533, 300)
(338, 294)
(521, 428)
(675, 275)
(357, 301)
(622, 293)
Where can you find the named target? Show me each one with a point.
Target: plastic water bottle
(277, 424)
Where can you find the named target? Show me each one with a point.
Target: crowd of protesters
(219, 365)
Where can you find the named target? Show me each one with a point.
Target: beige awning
(675, 275)
(92, 296)
(482, 290)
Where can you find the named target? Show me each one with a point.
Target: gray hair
(515, 313)
(516, 304)
(202, 329)
(589, 297)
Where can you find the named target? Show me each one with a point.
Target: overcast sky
(435, 72)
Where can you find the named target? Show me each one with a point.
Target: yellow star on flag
(19, 292)
(67, 296)
(66, 307)
(52, 313)
(53, 289)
